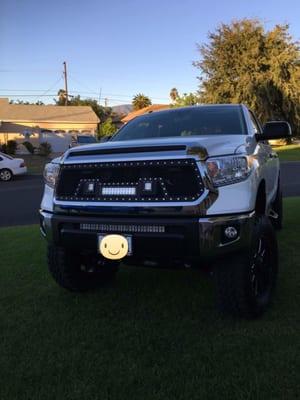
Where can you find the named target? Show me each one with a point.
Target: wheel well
(260, 205)
(6, 169)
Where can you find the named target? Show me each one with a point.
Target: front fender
(47, 203)
(237, 198)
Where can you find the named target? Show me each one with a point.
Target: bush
(11, 147)
(3, 148)
(45, 149)
(29, 146)
(107, 128)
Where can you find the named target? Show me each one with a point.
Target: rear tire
(6, 175)
(70, 272)
(245, 284)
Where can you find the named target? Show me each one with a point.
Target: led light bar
(118, 190)
(123, 228)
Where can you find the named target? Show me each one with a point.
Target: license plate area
(127, 237)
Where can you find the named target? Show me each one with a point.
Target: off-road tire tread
(61, 267)
(231, 277)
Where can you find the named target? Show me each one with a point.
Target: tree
(107, 128)
(174, 94)
(187, 99)
(140, 101)
(244, 63)
(102, 112)
(62, 94)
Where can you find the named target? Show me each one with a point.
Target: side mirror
(105, 138)
(275, 130)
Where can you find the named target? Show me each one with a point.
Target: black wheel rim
(261, 272)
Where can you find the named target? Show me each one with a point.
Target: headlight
(228, 170)
(50, 174)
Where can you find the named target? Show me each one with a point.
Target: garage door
(59, 140)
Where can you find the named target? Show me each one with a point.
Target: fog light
(231, 232)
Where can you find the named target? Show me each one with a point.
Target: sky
(115, 49)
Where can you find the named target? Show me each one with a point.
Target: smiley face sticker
(113, 247)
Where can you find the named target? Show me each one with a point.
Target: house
(145, 110)
(45, 123)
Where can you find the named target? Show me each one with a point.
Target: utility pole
(66, 82)
(105, 102)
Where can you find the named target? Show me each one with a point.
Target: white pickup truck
(193, 187)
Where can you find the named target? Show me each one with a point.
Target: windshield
(86, 139)
(196, 121)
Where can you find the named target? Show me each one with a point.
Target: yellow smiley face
(114, 247)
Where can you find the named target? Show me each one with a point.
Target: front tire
(245, 284)
(77, 274)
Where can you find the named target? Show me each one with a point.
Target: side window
(1, 159)
(255, 124)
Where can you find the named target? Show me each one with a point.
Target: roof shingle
(145, 110)
(46, 113)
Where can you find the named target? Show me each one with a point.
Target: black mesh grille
(155, 180)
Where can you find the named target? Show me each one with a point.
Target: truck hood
(211, 146)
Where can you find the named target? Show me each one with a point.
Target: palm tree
(174, 94)
(140, 101)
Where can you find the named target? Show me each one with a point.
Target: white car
(10, 167)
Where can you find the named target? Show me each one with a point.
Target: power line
(111, 95)
(26, 70)
(51, 87)
(81, 84)
(27, 95)
(131, 96)
(23, 90)
(111, 100)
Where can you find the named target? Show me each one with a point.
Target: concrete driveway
(20, 199)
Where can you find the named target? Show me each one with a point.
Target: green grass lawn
(288, 153)
(153, 334)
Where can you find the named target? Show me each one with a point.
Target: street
(20, 199)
